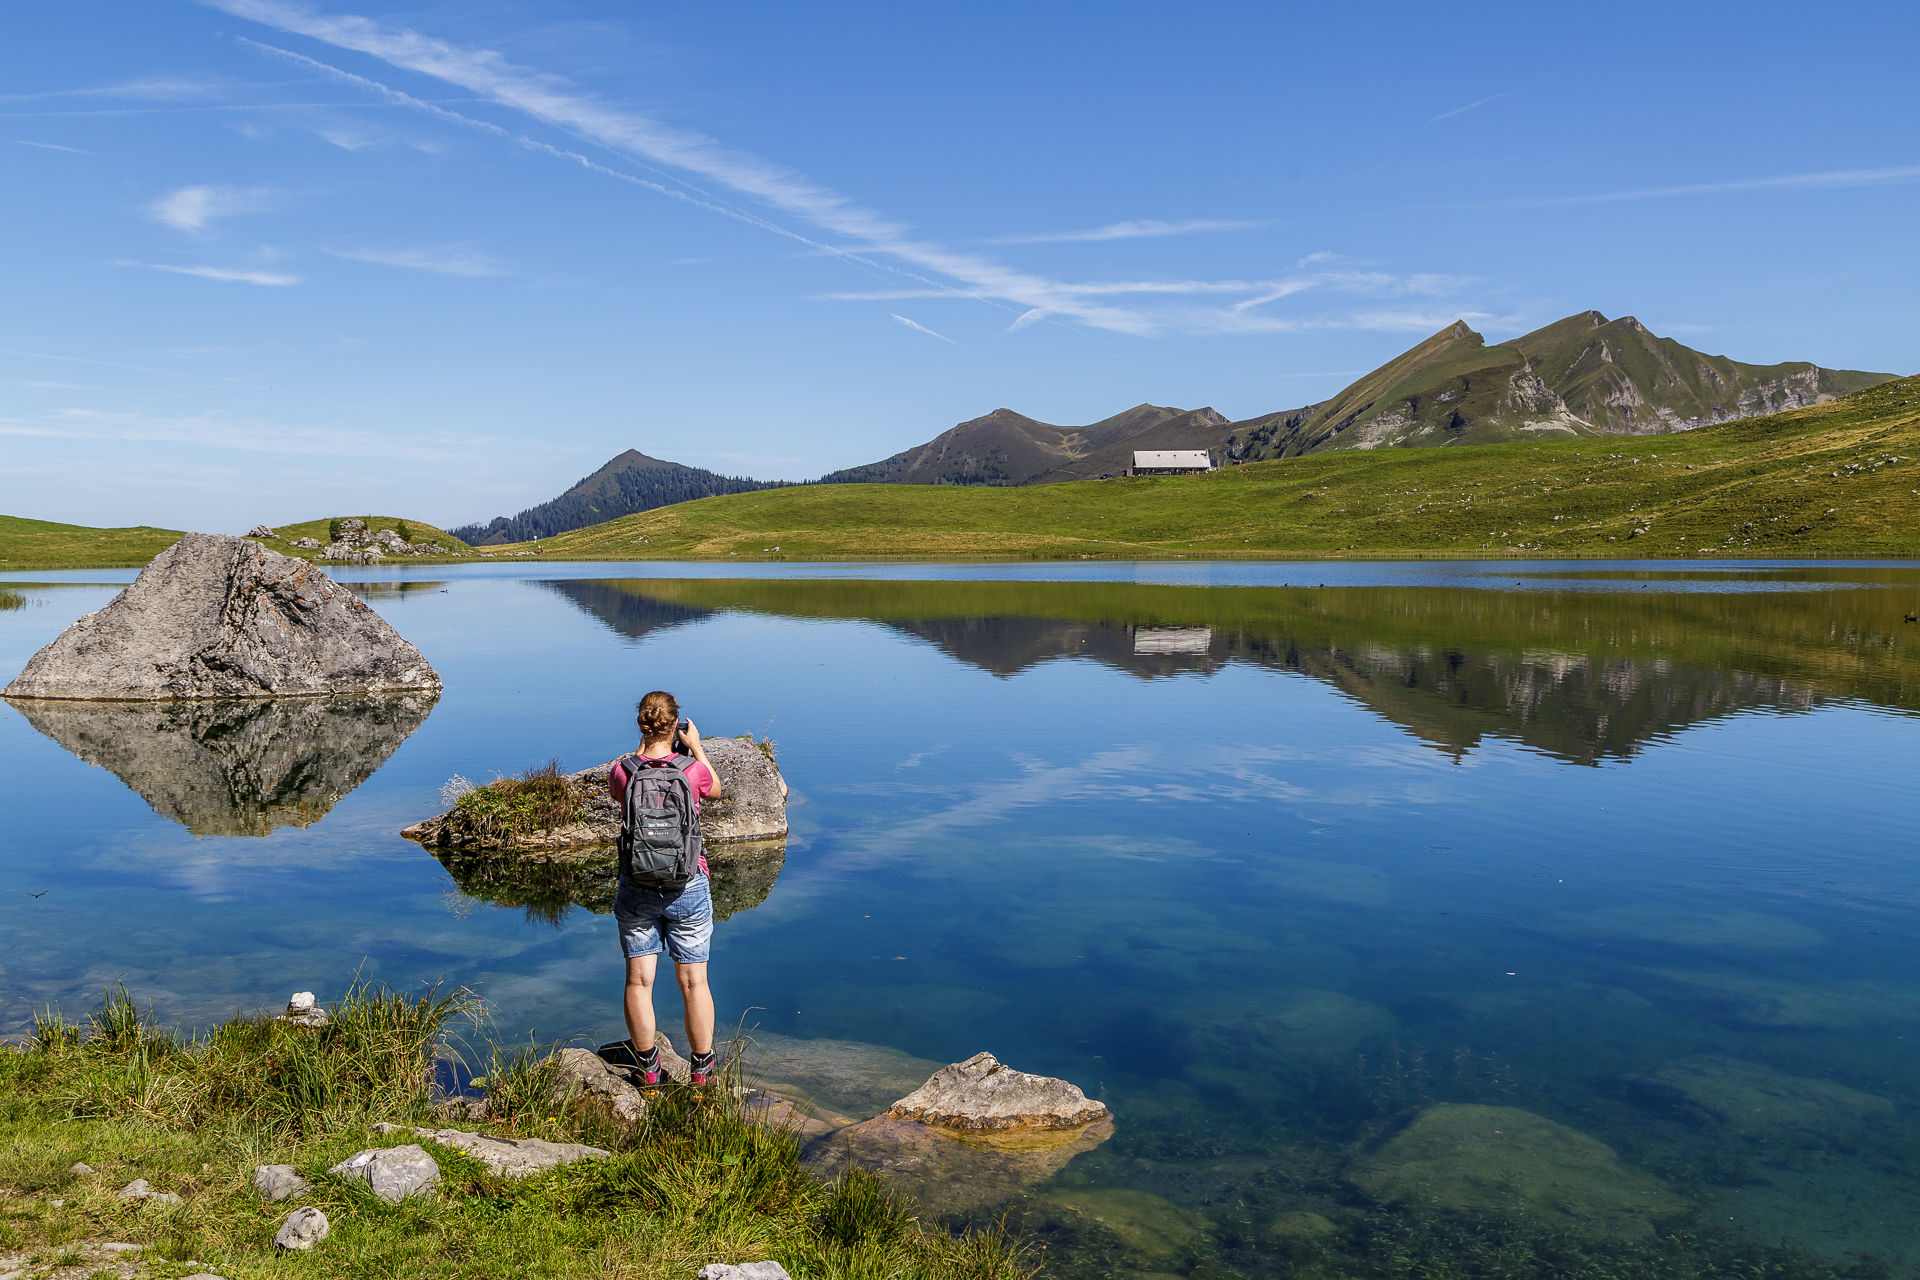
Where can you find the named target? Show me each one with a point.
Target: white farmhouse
(1170, 462)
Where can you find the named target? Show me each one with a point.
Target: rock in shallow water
(983, 1096)
(941, 1172)
(752, 809)
(222, 617)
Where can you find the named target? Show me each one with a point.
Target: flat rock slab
(752, 809)
(513, 1157)
(220, 617)
(1502, 1159)
(278, 1181)
(941, 1172)
(744, 1271)
(983, 1096)
(392, 1173)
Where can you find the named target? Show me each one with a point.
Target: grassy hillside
(317, 529)
(1837, 479)
(42, 544)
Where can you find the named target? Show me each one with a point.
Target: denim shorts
(683, 915)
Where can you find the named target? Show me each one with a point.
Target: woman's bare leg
(699, 1000)
(640, 1024)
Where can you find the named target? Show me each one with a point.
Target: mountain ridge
(628, 483)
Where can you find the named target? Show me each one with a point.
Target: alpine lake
(1412, 919)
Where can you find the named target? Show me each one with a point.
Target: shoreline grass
(698, 1180)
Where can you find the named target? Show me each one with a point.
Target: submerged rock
(223, 617)
(241, 766)
(986, 1099)
(1145, 1223)
(1753, 1099)
(1467, 1157)
(392, 1173)
(941, 1172)
(752, 809)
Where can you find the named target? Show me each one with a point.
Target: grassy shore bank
(696, 1181)
(1838, 479)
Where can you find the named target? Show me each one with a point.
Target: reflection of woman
(682, 916)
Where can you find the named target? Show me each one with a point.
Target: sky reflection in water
(1265, 867)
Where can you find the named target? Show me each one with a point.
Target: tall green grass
(700, 1179)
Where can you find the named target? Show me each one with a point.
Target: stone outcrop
(1502, 1159)
(513, 1157)
(752, 808)
(744, 1271)
(303, 1012)
(985, 1098)
(239, 766)
(139, 1190)
(356, 545)
(221, 617)
(583, 1071)
(392, 1173)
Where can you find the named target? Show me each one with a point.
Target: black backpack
(659, 828)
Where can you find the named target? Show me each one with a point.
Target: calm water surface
(1278, 871)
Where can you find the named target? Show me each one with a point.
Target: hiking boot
(703, 1071)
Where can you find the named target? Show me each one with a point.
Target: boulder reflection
(236, 767)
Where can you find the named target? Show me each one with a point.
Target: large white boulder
(221, 617)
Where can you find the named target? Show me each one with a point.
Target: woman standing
(676, 917)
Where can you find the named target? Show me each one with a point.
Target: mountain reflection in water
(1582, 676)
(236, 767)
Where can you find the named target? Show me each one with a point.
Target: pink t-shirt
(699, 778)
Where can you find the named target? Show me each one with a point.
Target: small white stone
(744, 1271)
(81, 1170)
(300, 1002)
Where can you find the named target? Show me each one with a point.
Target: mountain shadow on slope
(629, 483)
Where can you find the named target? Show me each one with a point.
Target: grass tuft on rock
(699, 1180)
(539, 799)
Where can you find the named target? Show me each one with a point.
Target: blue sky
(270, 261)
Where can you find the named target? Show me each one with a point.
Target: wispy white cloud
(229, 274)
(192, 208)
(150, 89)
(915, 325)
(447, 260)
(1900, 176)
(873, 241)
(1026, 318)
(52, 146)
(1460, 111)
(1131, 231)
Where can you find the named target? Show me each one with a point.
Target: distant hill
(1581, 376)
(630, 483)
(43, 544)
(1007, 448)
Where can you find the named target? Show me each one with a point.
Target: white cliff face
(221, 617)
